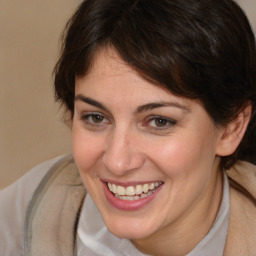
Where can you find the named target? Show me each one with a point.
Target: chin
(128, 229)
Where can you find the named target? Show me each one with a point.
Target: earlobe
(233, 133)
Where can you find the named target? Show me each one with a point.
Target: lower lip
(128, 205)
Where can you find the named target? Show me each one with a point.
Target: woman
(161, 99)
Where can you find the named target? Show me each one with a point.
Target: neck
(180, 237)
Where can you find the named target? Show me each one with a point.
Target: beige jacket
(241, 239)
(52, 216)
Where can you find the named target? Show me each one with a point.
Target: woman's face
(145, 156)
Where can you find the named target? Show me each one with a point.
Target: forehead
(108, 63)
(110, 73)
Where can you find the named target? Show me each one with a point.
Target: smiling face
(146, 157)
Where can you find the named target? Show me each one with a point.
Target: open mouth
(132, 193)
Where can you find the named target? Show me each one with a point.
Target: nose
(122, 153)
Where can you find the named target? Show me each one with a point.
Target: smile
(132, 193)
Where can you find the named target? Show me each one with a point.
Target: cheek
(187, 166)
(185, 155)
(86, 150)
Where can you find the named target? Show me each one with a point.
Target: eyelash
(167, 122)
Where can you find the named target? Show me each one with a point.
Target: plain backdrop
(31, 129)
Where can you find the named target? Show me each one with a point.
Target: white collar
(94, 239)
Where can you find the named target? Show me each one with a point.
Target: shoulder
(14, 201)
(244, 174)
(54, 210)
(242, 228)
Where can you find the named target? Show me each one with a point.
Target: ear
(232, 134)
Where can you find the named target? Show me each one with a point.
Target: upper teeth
(133, 190)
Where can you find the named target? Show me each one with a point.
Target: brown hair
(199, 49)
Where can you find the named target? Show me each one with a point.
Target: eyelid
(85, 114)
(171, 120)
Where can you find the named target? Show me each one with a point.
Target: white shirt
(94, 239)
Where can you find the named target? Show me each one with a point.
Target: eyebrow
(154, 105)
(140, 109)
(90, 101)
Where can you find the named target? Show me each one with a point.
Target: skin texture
(119, 140)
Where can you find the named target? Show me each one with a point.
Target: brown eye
(159, 122)
(94, 120)
(97, 118)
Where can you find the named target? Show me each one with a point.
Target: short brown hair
(199, 49)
